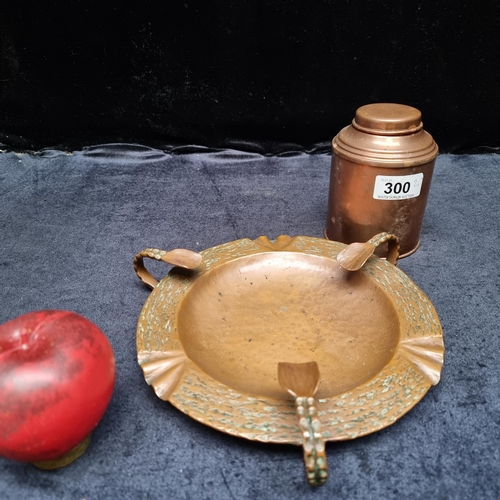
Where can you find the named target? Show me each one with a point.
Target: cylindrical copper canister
(382, 167)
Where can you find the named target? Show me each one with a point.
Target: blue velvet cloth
(70, 225)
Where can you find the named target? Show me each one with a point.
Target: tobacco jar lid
(386, 135)
(388, 119)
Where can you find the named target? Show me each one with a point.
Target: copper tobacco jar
(382, 167)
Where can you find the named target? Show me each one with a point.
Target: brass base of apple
(67, 458)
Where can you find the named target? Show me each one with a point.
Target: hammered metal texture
(413, 364)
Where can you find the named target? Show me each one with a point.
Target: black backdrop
(269, 76)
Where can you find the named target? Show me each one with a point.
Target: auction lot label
(397, 187)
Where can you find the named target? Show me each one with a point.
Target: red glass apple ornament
(57, 374)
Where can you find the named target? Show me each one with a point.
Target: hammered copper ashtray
(360, 347)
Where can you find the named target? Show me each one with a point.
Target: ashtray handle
(179, 257)
(392, 248)
(354, 256)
